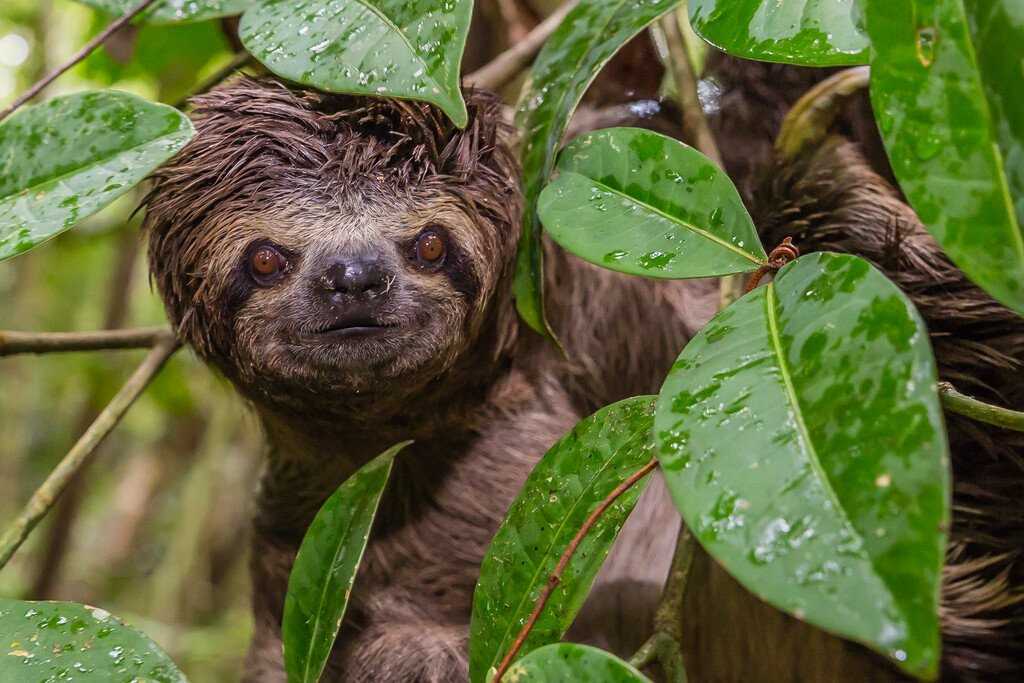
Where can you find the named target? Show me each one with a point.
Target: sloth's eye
(266, 263)
(430, 247)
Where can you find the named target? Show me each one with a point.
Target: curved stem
(961, 404)
(556, 575)
(12, 343)
(77, 57)
(810, 118)
(48, 493)
(512, 61)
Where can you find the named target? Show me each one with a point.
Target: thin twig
(780, 256)
(665, 645)
(78, 56)
(49, 342)
(810, 118)
(556, 575)
(695, 124)
(512, 61)
(48, 493)
(240, 61)
(961, 404)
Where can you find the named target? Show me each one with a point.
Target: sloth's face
(349, 296)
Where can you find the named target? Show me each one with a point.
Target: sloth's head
(305, 242)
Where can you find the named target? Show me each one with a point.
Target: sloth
(346, 263)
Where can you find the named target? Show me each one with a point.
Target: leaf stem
(512, 61)
(665, 644)
(47, 494)
(556, 575)
(12, 342)
(961, 404)
(810, 118)
(77, 57)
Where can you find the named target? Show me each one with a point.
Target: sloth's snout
(357, 279)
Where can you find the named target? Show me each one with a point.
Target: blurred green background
(156, 531)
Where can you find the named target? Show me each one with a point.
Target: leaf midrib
(405, 39)
(673, 219)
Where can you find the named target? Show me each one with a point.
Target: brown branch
(77, 57)
(512, 61)
(46, 495)
(556, 575)
(780, 256)
(12, 343)
(811, 117)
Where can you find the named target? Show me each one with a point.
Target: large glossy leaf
(642, 203)
(806, 32)
(63, 641)
(572, 663)
(801, 437)
(169, 11)
(561, 492)
(945, 86)
(325, 568)
(371, 47)
(67, 158)
(568, 62)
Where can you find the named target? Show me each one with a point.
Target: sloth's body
(347, 263)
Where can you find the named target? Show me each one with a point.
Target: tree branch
(810, 118)
(665, 645)
(12, 343)
(46, 495)
(78, 57)
(556, 575)
(512, 61)
(961, 404)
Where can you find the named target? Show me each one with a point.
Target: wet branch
(665, 645)
(556, 575)
(961, 404)
(12, 343)
(50, 490)
(512, 61)
(77, 57)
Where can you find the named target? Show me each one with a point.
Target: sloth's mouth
(352, 327)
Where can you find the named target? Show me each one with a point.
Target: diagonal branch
(512, 61)
(556, 575)
(961, 404)
(12, 343)
(77, 57)
(46, 495)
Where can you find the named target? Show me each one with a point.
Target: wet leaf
(67, 158)
(325, 568)
(173, 11)
(564, 488)
(945, 86)
(401, 49)
(588, 37)
(805, 32)
(572, 663)
(56, 641)
(638, 202)
(801, 436)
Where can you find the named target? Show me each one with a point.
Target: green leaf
(945, 86)
(572, 663)
(174, 11)
(804, 32)
(56, 641)
(67, 158)
(588, 37)
(325, 568)
(801, 436)
(369, 47)
(638, 202)
(567, 484)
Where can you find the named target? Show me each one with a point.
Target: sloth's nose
(356, 278)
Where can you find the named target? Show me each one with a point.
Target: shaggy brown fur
(324, 177)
